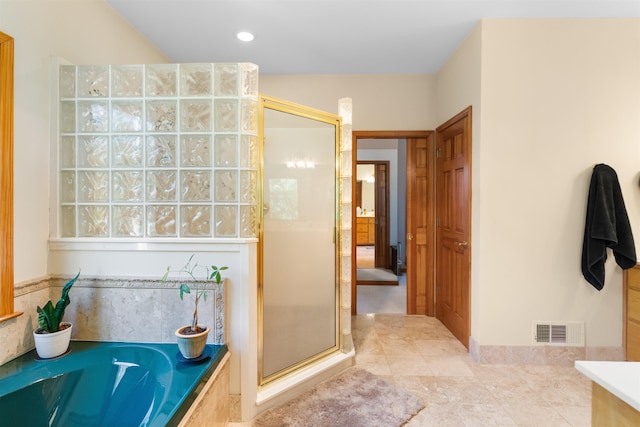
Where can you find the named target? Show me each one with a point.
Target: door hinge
(437, 153)
(437, 221)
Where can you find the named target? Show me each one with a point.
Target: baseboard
(540, 354)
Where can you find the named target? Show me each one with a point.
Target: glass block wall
(158, 151)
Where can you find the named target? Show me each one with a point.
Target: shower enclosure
(299, 264)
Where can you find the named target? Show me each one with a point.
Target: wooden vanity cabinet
(631, 313)
(365, 230)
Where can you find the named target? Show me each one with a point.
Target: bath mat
(353, 398)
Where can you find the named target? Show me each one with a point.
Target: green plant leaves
(49, 318)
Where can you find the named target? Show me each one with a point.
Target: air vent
(559, 333)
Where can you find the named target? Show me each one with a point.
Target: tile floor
(421, 355)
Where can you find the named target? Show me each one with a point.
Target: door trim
(385, 134)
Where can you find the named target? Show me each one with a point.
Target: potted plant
(192, 338)
(52, 336)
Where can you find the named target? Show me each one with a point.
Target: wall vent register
(559, 333)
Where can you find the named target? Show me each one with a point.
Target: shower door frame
(284, 106)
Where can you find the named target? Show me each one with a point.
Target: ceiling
(336, 36)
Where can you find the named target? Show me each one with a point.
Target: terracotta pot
(52, 344)
(191, 346)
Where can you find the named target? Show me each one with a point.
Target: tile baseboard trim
(540, 355)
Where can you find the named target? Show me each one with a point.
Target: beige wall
(557, 97)
(380, 102)
(82, 32)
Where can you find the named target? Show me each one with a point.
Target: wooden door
(453, 225)
(381, 233)
(420, 233)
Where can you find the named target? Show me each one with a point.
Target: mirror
(298, 280)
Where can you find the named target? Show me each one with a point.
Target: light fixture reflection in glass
(370, 178)
(297, 163)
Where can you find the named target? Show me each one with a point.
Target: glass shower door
(298, 293)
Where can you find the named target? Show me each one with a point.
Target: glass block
(93, 186)
(93, 81)
(68, 221)
(126, 81)
(249, 151)
(195, 150)
(346, 167)
(161, 116)
(126, 116)
(225, 185)
(161, 80)
(345, 190)
(67, 81)
(195, 79)
(67, 116)
(161, 151)
(225, 80)
(226, 115)
(248, 187)
(346, 221)
(346, 138)
(126, 151)
(161, 185)
(67, 151)
(345, 110)
(195, 186)
(226, 151)
(93, 116)
(195, 221)
(67, 187)
(345, 242)
(248, 221)
(249, 119)
(126, 221)
(93, 151)
(127, 186)
(225, 218)
(195, 115)
(161, 221)
(345, 268)
(93, 221)
(249, 80)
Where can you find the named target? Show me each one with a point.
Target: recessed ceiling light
(245, 36)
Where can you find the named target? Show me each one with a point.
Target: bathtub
(104, 384)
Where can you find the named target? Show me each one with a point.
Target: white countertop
(622, 379)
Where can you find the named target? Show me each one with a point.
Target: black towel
(607, 226)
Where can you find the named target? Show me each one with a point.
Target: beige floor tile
(420, 355)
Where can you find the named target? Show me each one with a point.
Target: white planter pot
(52, 344)
(191, 346)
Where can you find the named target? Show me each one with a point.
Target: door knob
(463, 244)
(409, 236)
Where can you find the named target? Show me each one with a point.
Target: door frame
(390, 134)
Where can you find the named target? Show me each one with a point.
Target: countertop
(622, 379)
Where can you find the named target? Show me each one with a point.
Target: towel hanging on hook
(607, 226)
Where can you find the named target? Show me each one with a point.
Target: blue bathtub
(103, 384)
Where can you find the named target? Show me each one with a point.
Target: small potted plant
(52, 336)
(192, 338)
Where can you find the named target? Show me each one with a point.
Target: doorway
(396, 246)
(372, 222)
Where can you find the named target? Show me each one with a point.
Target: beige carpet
(353, 398)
